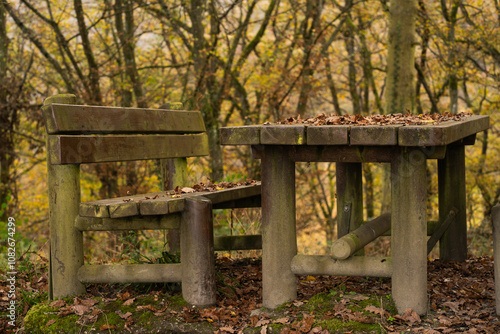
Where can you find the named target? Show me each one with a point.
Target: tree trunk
(400, 93)
(7, 120)
(400, 79)
(93, 75)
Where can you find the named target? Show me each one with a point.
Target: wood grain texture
(373, 135)
(161, 203)
(67, 149)
(442, 134)
(328, 135)
(131, 273)
(171, 221)
(283, 134)
(66, 119)
(240, 135)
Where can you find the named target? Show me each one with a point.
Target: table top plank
(327, 135)
(374, 135)
(240, 135)
(370, 135)
(441, 134)
(283, 134)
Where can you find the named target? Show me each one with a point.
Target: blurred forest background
(239, 62)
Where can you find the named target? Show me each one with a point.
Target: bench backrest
(86, 134)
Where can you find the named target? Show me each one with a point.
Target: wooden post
(357, 239)
(409, 234)
(66, 242)
(495, 219)
(173, 173)
(197, 252)
(451, 185)
(349, 190)
(279, 243)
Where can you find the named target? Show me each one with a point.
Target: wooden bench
(89, 134)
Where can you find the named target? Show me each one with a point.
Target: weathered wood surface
(327, 135)
(66, 243)
(130, 273)
(372, 135)
(409, 230)
(349, 196)
(442, 134)
(240, 135)
(283, 135)
(160, 203)
(66, 119)
(495, 219)
(160, 222)
(355, 266)
(349, 244)
(452, 194)
(67, 149)
(344, 153)
(197, 258)
(440, 230)
(279, 243)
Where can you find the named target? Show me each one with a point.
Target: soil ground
(461, 300)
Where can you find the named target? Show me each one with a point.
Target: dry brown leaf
(50, 322)
(107, 327)
(58, 303)
(128, 302)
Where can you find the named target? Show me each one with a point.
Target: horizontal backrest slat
(74, 149)
(78, 119)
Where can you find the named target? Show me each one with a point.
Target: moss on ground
(145, 321)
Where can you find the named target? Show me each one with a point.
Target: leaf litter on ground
(461, 300)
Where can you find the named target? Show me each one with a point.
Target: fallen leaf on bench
(187, 190)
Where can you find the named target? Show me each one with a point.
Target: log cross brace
(441, 229)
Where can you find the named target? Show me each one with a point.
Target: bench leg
(451, 184)
(279, 243)
(197, 252)
(409, 230)
(495, 219)
(66, 242)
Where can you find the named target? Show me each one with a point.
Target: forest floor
(461, 300)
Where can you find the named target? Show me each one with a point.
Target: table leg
(451, 185)
(409, 230)
(279, 243)
(349, 191)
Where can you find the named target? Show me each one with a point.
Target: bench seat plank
(67, 149)
(73, 119)
(163, 222)
(160, 203)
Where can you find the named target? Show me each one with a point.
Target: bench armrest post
(66, 242)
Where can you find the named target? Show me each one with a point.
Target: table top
(373, 135)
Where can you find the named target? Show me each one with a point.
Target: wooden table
(406, 148)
